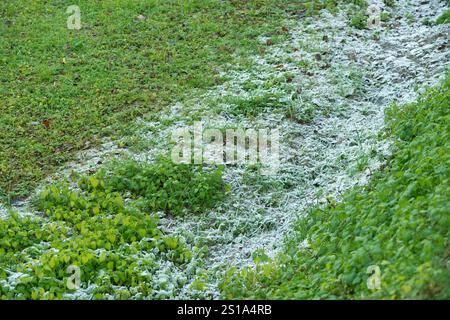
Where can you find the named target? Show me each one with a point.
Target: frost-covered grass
(319, 80)
(398, 222)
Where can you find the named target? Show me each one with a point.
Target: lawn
(64, 90)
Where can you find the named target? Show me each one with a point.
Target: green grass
(399, 222)
(63, 90)
(444, 18)
(254, 106)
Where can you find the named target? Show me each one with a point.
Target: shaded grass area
(398, 223)
(63, 90)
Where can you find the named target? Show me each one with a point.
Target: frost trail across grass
(332, 83)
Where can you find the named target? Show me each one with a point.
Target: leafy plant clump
(314, 6)
(114, 246)
(359, 20)
(256, 105)
(172, 188)
(398, 223)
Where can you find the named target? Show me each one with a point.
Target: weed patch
(164, 186)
